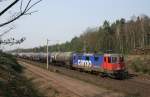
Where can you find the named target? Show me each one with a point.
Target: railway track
(136, 86)
(69, 86)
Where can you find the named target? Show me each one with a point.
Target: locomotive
(105, 64)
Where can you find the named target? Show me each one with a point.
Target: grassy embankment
(139, 63)
(12, 83)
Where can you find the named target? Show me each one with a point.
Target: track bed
(67, 86)
(136, 86)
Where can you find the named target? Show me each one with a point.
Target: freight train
(105, 64)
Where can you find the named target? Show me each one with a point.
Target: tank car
(62, 58)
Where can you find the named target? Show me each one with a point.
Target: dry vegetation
(12, 83)
(139, 63)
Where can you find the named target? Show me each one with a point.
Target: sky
(61, 20)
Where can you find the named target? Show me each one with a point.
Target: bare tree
(21, 12)
(25, 7)
(12, 41)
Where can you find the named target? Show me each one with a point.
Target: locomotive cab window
(113, 59)
(121, 59)
(104, 59)
(109, 60)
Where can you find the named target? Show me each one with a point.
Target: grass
(9, 62)
(141, 65)
(12, 83)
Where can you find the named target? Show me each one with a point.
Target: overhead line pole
(47, 55)
(47, 51)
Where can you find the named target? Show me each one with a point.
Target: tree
(25, 7)
(20, 13)
(122, 36)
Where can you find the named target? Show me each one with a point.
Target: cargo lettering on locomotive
(85, 63)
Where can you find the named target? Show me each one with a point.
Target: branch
(27, 5)
(12, 41)
(6, 31)
(8, 7)
(21, 5)
(21, 13)
(3, 24)
(29, 13)
(33, 5)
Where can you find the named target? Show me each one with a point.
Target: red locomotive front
(114, 65)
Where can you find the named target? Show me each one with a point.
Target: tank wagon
(62, 58)
(42, 57)
(106, 64)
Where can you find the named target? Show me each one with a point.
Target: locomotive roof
(86, 54)
(112, 54)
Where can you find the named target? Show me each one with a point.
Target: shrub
(141, 65)
(10, 62)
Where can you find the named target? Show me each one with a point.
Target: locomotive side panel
(89, 62)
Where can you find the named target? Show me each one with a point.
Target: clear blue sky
(64, 19)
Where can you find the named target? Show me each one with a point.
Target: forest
(121, 36)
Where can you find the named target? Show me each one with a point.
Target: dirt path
(57, 85)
